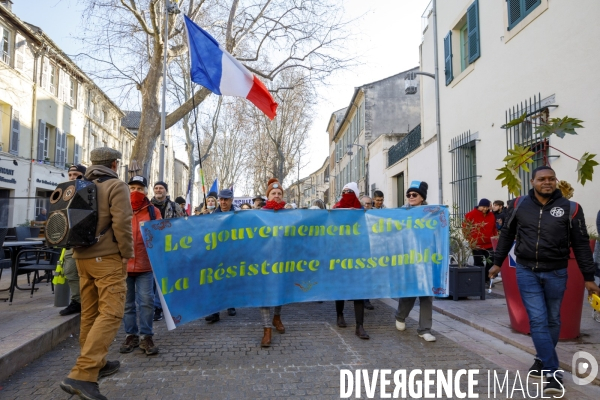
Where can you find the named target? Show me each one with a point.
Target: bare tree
(125, 45)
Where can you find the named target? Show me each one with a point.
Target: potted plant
(27, 229)
(47, 160)
(464, 279)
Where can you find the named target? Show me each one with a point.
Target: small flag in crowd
(215, 186)
(218, 71)
(188, 205)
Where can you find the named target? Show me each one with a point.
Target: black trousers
(480, 257)
(359, 310)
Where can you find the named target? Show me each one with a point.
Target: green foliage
(515, 122)
(510, 179)
(585, 168)
(519, 156)
(27, 223)
(559, 126)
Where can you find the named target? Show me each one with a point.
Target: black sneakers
(158, 314)
(368, 305)
(536, 368)
(109, 368)
(131, 342)
(554, 385)
(231, 312)
(212, 318)
(83, 389)
(73, 308)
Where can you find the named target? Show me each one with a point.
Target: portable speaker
(73, 214)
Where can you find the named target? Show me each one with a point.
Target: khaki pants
(72, 275)
(103, 288)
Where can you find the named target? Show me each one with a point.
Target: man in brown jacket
(102, 270)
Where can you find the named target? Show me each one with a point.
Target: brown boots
(277, 324)
(266, 340)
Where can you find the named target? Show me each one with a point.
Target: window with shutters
(60, 152)
(72, 93)
(20, 46)
(464, 38)
(53, 79)
(519, 9)
(45, 141)
(14, 133)
(5, 44)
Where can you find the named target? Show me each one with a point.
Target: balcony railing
(404, 147)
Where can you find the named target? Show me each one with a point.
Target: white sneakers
(428, 337)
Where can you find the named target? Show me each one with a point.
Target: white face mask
(211, 207)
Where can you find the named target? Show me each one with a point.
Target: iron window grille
(538, 112)
(464, 173)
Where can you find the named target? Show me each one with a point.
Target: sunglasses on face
(346, 191)
(411, 195)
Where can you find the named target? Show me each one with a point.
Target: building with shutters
(51, 116)
(379, 112)
(498, 61)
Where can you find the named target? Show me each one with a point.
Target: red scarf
(273, 205)
(348, 200)
(138, 200)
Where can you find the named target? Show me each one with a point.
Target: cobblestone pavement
(225, 360)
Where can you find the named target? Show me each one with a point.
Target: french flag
(219, 72)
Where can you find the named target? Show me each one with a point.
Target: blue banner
(249, 258)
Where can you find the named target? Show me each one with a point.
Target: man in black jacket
(542, 224)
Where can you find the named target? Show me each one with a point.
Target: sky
(387, 37)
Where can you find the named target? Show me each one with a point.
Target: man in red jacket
(478, 228)
(140, 278)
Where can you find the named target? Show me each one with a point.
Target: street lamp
(410, 87)
(171, 8)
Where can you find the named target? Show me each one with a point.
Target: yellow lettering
(231, 272)
(206, 276)
(219, 273)
(419, 223)
(299, 265)
(360, 262)
(384, 261)
(253, 269)
(185, 242)
(168, 243)
(313, 265)
(290, 231)
(372, 262)
(210, 239)
(264, 231)
(345, 228)
(264, 268)
(355, 229)
(436, 258)
(302, 230)
(431, 223)
(275, 268)
(316, 231)
(289, 266)
(332, 230)
(223, 236)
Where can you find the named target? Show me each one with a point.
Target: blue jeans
(140, 292)
(542, 294)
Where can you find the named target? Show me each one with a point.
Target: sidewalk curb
(529, 349)
(37, 346)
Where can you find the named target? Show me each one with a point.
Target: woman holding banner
(416, 196)
(211, 203)
(274, 202)
(350, 200)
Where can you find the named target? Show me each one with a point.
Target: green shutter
(473, 31)
(518, 9)
(448, 58)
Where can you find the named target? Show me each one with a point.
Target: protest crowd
(114, 281)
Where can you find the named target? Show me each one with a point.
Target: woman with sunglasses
(350, 200)
(274, 202)
(416, 196)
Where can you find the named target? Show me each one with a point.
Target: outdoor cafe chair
(5, 262)
(48, 264)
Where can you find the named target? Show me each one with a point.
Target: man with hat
(69, 265)
(168, 209)
(225, 205)
(479, 227)
(139, 303)
(102, 274)
(258, 202)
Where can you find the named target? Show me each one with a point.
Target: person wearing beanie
(479, 227)
(181, 202)
(416, 196)
(76, 172)
(350, 200)
(274, 202)
(168, 209)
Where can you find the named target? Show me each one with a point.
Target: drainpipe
(34, 127)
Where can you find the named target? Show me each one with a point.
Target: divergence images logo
(580, 367)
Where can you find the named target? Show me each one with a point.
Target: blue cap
(226, 194)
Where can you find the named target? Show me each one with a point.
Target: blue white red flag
(218, 71)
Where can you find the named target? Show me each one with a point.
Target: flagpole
(197, 136)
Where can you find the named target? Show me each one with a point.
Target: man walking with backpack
(102, 270)
(546, 225)
(140, 279)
